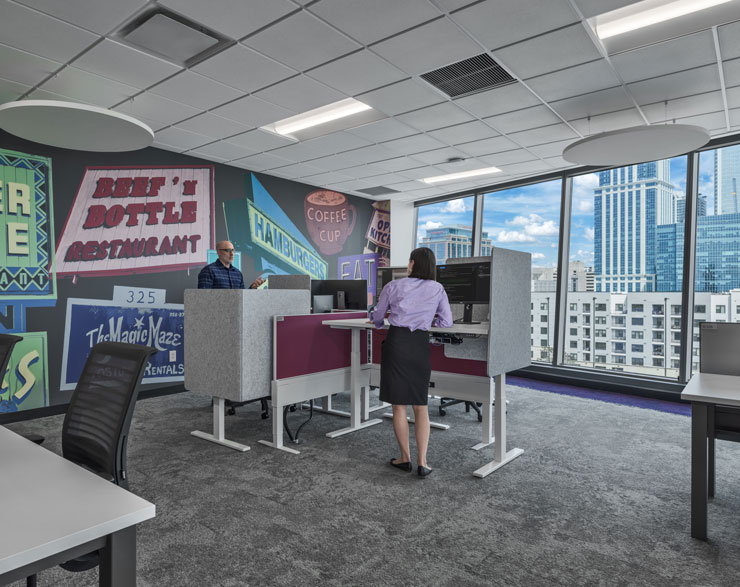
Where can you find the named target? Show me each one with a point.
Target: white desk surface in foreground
(53, 505)
(457, 328)
(715, 389)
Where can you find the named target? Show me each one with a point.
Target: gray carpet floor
(599, 497)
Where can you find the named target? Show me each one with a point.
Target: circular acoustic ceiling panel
(636, 144)
(74, 126)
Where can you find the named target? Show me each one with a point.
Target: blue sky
(528, 218)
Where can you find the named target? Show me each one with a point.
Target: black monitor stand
(468, 315)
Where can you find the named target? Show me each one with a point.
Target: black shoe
(405, 466)
(423, 471)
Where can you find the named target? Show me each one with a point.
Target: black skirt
(405, 367)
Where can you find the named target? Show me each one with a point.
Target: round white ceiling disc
(636, 144)
(74, 126)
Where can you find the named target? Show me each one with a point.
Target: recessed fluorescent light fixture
(646, 13)
(317, 116)
(462, 175)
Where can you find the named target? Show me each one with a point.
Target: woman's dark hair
(424, 263)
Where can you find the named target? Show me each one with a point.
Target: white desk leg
(502, 456)
(327, 409)
(218, 428)
(278, 427)
(487, 437)
(356, 392)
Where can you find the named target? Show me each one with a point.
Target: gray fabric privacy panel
(259, 308)
(719, 344)
(289, 282)
(228, 339)
(213, 329)
(509, 345)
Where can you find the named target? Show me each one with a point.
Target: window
(447, 228)
(637, 348)
(600, 307)
(543, 342)
(574, 344)
(601, 333)
(586, 307)
(675, 310)
(618, 334)
(618, 347)
(638, 334)
(600, 346)
(543, 318)
(600, 358)
(600, 320)
(574, 332)
(586, 345)
(658, 350)
(587, 333)
(675, 349)
(638, 361)
(543, 306)
(720, 309)
(619, 308)
(573, 307)
(543, 330)
(638, 321)
(700, 309)
(675, 364)
(657, 335)
(657, 309)
(586, 319)
(637, 308)
(676, 323)
(658, 323)
(619, 359)
(657, 362)
(586, 356)
(574, 319)
(618, 320)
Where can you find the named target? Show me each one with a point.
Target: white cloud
(538, 256)
(513, 236)
(524, 220)
(585, 206)
(589, 232)
(455, 206)
(546, 228)
(430, 225)
(583, 193)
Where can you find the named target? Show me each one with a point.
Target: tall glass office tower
(726, 180)
(629, 204)
(451, 242)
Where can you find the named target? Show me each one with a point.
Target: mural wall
(103, 249)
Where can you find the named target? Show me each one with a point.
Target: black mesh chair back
(7, 342)
(96, 427)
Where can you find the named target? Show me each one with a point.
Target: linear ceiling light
(462, 175)
(318, 116)
(646, 13)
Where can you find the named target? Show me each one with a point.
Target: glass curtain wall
(717, 269)
(509, 221)
(624, 269)
(447, 228)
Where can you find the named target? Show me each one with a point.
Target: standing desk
(59, 511)
(705, 391)
(479, 388)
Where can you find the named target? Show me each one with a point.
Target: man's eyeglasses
(227, 250)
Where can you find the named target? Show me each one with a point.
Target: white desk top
(711, 388)
(51, 504)
(457, 328)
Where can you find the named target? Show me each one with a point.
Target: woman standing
(405, 366)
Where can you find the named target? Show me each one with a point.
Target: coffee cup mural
(330, 219)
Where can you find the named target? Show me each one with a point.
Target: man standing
(221, 274)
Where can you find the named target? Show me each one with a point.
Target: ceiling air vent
(469, 76)
(378, 191)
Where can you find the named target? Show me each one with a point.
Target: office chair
(7, 342)
(446, 402)
(96, 426)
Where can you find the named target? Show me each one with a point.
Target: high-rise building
(629, 204)
(454, 241)
(679, 208)
(726, 180)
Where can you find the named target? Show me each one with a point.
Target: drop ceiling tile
(401, 97)
(369, 154)
(369, 22)
(467, 165)
(463, 133)
(524, 119)
(92, 88)
(126, 65)
(733, 97)
(383, 130)
(439, 156)
(43, 95)
(496, 24)
(711, 121)
(543, 134)
(403, 185)
(183, 139)
(397, 164)
(451, 5)
(591, 8)
(731, 71)
(300, 94)
(210, 125)
(428, 47)
(559, 49)
(24, 68)
(488, 146)
(233, 18)
(594, 103)
(433, 117)
(507, 98)
(360, 171)
(147, 105)
(668, 57)
(735, 117)
(729, 40)
(608, 122)
(386, 179)
(360, 72)
(412, 145)
(260, 162)
(211, 153)
(196, 90)
(559, 163)
(419, 172)
(301, 41)
(89, 14)
(508, 157)
(159, 145)
(325, 179)
(684, 107)
(42, 35)
(260, 140)
(581, 79)
(244, 69)
(676, 85)
(551, 149)
(253, 111)
(333, 162)
(526, 167)
(11, 91)
(296, 170)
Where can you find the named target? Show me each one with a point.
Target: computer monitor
(349, 294)
(322, 304)
(384, 275)
(466, 283)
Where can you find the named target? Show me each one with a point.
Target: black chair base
(232, 405)
(446, 402)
